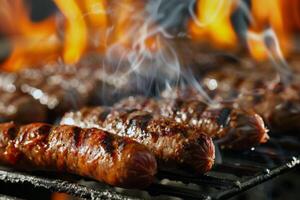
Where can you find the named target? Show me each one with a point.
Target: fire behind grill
(237, 172)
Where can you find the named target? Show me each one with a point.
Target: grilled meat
(229, 126)
(280, 108)
(278, 104)
(172, 143)
(60, 91)
(20, 107)
(58, 88)
(94, 153)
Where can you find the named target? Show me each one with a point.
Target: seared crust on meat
(94, 153)
(171, 142)
(231, 127)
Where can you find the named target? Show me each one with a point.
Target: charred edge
(13, 132)
(178, 103)
(223, 118)
(121, 144)
(108, 144)
(124, 114)
(77, 138)
(44, 129)
(103, 115)
(129, 111)
(140, 121)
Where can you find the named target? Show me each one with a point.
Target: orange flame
(76, 30)
(30, 41)
(124, 22)
(96, 25)
(88, 26)
(268, 13)
(212, 22)
(97, 20)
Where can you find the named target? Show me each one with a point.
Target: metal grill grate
(237, 172)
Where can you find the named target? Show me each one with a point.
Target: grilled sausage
(58, 88)
(94, 153)
(17, 106)
(278, 105)
(172, 143)
(229, 126)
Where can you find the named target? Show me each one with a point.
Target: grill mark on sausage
(12, 132)
(178, 104)
(164, 136)
(77, 138)
(108, 145)
(141, 121)
(44, 129)
(103, 115)
(214, 121)
(44, 146)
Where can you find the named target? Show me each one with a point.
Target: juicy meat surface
(260, 90)
(171, 142)
(94, 153)
(230, 127)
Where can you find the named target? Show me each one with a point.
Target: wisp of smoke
(159, 61)
(212, 18)
(272, 47)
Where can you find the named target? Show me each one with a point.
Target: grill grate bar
(58, 185)
(237, 169)
(294, 162)
(204, 180)
(186, 193)
(238, 172)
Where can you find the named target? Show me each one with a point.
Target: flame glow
(268, 13)
(212, 22)
(30, 41)
(122, 27)
(76, 30)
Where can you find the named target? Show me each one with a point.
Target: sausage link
(277, 102)
(230, 127)
(172, 143)
(94, 153)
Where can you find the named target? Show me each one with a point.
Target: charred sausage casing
(94, 153)
(173, 143)
(231, 127)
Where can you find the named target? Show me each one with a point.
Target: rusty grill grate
(237, 172)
